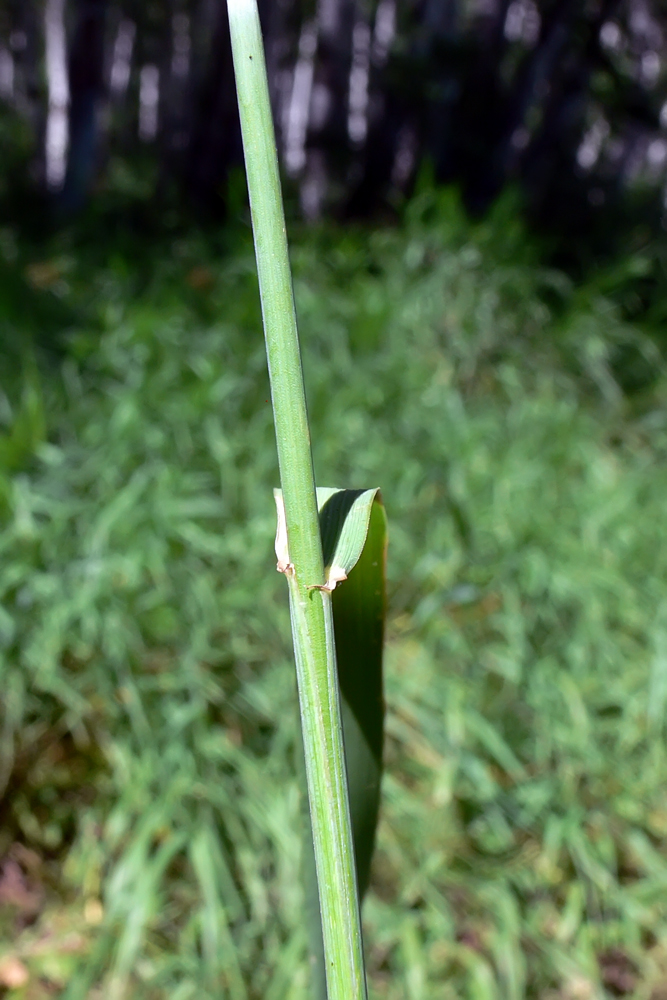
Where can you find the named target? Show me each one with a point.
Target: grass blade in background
(354, 542)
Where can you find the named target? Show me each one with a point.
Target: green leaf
(353, 525)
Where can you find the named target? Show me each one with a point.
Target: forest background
(476, 199)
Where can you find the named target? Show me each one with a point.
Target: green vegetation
(338, 958)
(149, 707)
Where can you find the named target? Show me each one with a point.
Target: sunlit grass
(146, 673)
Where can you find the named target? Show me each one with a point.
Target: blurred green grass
(150, 807)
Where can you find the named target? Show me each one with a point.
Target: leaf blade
(354, 535)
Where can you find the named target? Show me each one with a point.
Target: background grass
(516, 425)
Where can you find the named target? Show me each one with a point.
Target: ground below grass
(149, 824)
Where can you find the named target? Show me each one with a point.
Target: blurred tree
(565, 97)
(87, 89)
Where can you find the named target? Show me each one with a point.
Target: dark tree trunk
(530, 88)
(551, 155)
(328, 147)
(215, 139)
(463, 121)
(86, 81)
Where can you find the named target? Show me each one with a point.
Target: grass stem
(311, 613)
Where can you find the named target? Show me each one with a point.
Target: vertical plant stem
(311, 614)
